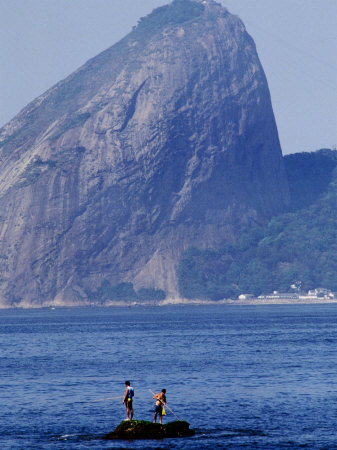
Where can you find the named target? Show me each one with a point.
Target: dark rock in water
(142, 429)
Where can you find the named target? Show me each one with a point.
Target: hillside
(164, 141)
(300, 245)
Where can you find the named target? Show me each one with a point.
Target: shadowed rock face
(165, 140)
(141, 429)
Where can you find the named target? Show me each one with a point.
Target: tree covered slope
(300, 245)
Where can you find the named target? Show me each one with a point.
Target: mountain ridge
(160, 142)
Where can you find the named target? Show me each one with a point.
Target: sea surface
(255, 377)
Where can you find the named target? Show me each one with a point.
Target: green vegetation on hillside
(178, 12)
(124, 292)
(300, 245)
(309, 175)
(33, 170)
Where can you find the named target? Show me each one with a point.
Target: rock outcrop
(163, 141)
(141, 429)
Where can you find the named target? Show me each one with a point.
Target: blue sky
(43, 41)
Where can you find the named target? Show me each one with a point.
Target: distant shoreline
(247, 302)
(280, 302)
(173, 302)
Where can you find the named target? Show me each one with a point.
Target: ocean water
(255, 377)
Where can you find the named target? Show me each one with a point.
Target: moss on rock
(142, 429)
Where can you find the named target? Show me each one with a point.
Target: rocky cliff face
(163, 141)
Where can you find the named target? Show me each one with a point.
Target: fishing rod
(166, 406)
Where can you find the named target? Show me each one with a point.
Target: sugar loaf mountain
(166, 141)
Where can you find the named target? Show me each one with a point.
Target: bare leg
(131, 413)
(155, 417)
(160, 417)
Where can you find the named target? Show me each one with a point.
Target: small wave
(249, 432)
(77, 437)
(228, 432)
(66, 436)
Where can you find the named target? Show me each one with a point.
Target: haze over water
(242, 376)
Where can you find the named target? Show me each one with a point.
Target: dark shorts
(158, 409)
(128, 403)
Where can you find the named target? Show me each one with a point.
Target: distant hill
(300, 245)
(309, 175)
(164, 141)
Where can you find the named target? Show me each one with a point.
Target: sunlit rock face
(163, 141)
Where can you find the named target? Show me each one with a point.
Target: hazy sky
(43, 41)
